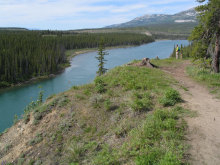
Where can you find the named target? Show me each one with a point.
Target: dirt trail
(204, 130)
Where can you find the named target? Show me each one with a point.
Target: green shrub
(51, 96)
(38, 115)
(142, 102)
(106, 157)
(63, 101)
(159, 140)
(170, 98)
(20, 161)
(74, 163)
(123, 129)
(205, 76)
(32, 106)
(75, 87)
(8, 147)
(108, 104)
(151, 158)
(87, 92)
(99, 85)
(4, 84)
(26, 117)
(36, 140)
(31, 162)
(15, 119)
(80, 97)
(78, 149)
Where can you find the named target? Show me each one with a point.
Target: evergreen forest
(28, 54)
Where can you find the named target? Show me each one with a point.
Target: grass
(167, 62)
(118, 119)
(36, 140)
(170, 98)
(158, 140)
(207, 77)
(133, 90)
(142, 102)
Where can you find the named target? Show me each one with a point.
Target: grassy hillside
(206, 76)
(131, 115)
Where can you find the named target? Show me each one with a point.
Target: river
(82, 71)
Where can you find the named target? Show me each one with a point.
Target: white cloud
(51, 13)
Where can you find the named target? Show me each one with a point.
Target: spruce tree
(101, 58)
(174, 52)
(206, 35)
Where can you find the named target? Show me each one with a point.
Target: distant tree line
(27, 54)
(158, 36)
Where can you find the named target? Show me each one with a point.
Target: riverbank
(32, 80)
(72, 53)
(131, 115)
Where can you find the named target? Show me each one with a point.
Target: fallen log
(146, 62)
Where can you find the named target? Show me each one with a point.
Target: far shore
(74, 52)
(70, 54)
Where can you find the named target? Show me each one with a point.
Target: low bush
(99, 85)
(78, 150)
(106, 156)
(170, 98)
(4, 84)
(63, 101)
(158, 140)
(15, 119)
(8, 147)
(36, 140)
(142, 102)
(204, 75)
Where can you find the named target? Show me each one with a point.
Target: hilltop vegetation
(128, 116)
(24, 55)
(206, 36)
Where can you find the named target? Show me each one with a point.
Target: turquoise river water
(82, 71)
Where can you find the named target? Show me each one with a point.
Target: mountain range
(188, 16)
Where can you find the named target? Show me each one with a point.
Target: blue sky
(79, 14)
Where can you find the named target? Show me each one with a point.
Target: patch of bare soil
(204, 130)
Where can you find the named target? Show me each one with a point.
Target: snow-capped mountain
(188, 16)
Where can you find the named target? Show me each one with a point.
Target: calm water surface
(83, 70)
